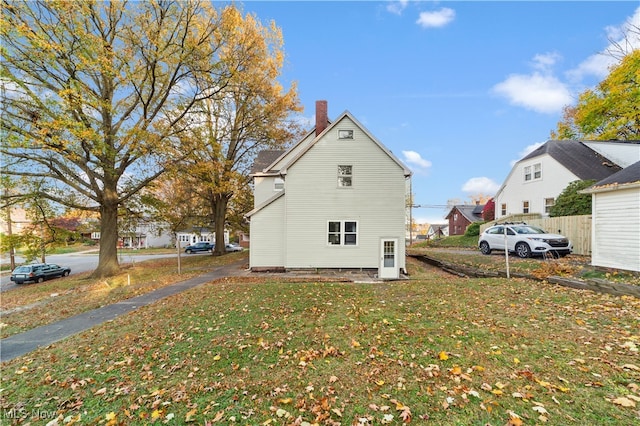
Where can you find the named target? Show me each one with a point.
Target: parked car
(198, 247)
(38, 272)
(523, 240)
(233, 247)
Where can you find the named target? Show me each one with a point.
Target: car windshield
(528, 230)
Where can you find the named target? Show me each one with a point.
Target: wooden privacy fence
(576, 228)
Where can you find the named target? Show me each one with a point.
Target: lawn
(435, 349)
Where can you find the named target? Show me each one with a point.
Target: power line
(429, 206)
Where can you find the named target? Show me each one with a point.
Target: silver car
(523, 240)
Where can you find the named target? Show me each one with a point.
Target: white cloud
(413, 158)
(436, 19)
(540, 92)
(397, 7)
(526, 151)
(624, 37)
(480, 185)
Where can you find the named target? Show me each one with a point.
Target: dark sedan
(38, 272)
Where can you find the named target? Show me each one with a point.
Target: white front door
(388, 258)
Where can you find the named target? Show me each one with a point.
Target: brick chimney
(322, 120)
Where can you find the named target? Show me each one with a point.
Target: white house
(535, 181)
(615, 230)
(336, 199)
(187, 237)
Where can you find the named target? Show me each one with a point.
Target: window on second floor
(345, 176)
(533, 172)
(537, 171)
(278, 184)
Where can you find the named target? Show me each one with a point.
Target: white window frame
(345, 134)
(548, 204)
(278, 184)
(537, 171)
(527, 173)
(342, 233)
(526, 206)
(503, 209)
(343, 178)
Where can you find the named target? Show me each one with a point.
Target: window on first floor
(548, 203)
(503, 209)
(342, 232)
(525, 207)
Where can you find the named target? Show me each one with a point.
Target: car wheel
(522, 250)
(188, 251)
(39, 279)
(65, 273)
(484, 248)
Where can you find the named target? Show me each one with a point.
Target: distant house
(535, 181)
(336, 199)
(437, 231)
(615, 230)
(463, 215)
(195, 235)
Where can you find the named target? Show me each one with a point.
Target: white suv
(523, 240)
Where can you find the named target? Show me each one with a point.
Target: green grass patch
(435, 349)
(33, 305)
(460, 241)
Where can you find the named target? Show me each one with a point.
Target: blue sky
(458, 91)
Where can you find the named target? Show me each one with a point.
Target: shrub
(473, 230)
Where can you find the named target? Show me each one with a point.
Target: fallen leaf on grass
(624, 402)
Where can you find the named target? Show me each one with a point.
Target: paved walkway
(23, 343)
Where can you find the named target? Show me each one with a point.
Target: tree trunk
(220, 216)
(108, 260)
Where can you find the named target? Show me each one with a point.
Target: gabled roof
(471, 212)
(627, 177)
(330, 127)
(264, 159)
(578, 158)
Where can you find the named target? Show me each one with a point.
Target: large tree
(250, 114)
(610, 111)
(95, 96)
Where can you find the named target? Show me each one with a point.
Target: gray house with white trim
(336, 199)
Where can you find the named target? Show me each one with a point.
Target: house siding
(616, 229)
(553, 181)
(263, 189)
(267, 236)
(375, 201)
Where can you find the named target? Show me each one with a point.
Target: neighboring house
(146, 235)
(615, 230)
(463, 215)
(195, 235)
(535, 181)
(437, 231)
(16, 222)
(336, 199)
